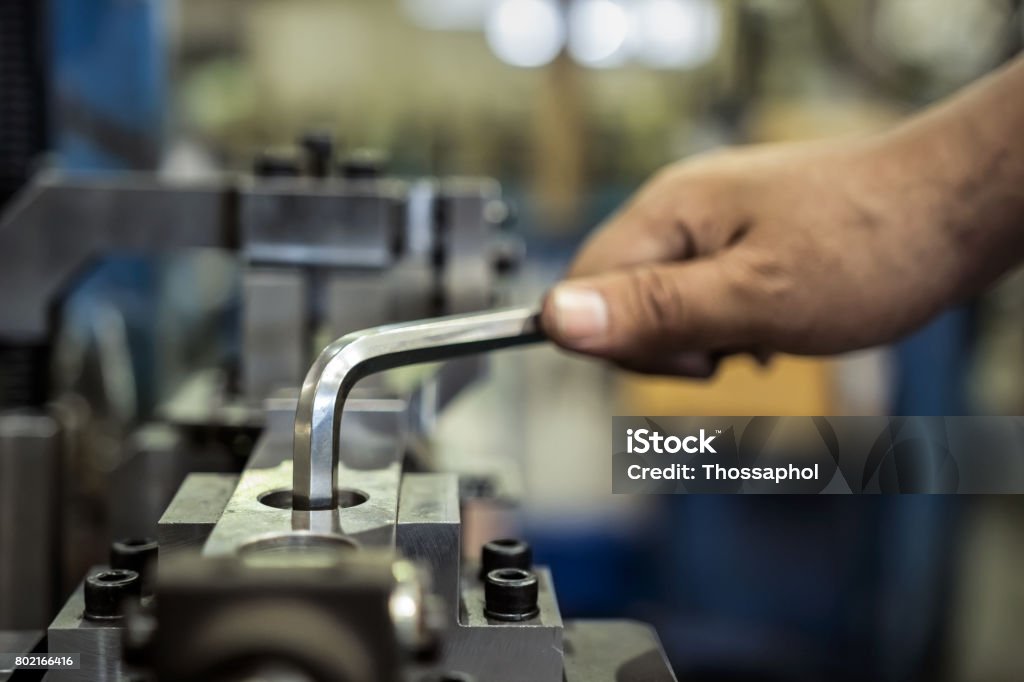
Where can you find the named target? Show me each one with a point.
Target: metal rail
(354, 356)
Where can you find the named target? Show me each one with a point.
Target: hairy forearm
(970, 149)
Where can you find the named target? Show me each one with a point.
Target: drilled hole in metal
(282, 499)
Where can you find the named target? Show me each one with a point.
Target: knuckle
(668, 174)
(770, 297)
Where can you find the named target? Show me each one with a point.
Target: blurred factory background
(570, 104)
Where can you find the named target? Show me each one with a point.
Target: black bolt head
(509, 254)
(319, 147)
(510, 594)
(275, 164)
(135, 554)
(505, 553)
(107, 589)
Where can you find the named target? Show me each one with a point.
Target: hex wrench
(354, 356)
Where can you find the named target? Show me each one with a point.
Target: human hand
(811, 249)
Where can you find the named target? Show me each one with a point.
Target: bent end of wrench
(347, 360)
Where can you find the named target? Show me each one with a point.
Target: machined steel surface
(275, 329)
(323, 223)
(541, 649)
(17, 642)
(261, 506)
(432, 242)
(98, 643)
(354, 356)
(29, 519)
(144, 483)
(463, 205)
(503, 651)
(326, 615)
(421, 523)
(197, 506)
(375, 427)
(58, 225)
(417, 516)
(429, 530)
(412, 515)
(614, 651)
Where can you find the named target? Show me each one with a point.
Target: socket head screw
(135, 554)
(106, 590)
(505, 553)
(510, 594)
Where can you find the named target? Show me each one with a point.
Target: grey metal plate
(98, 644)
(246, 519)
(17, 642)
(194, 511)
(614, 651)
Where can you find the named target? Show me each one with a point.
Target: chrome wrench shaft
(354, 356)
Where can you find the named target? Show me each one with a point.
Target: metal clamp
(359, 354)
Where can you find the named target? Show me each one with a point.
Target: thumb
(628, 315)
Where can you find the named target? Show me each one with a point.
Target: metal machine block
(429, 529)
(328, 589)
(507, 652)
(614, 651)
(18, 642)
(353, 300)
(145, 482)
(194, 511)
(466, 238)
(58, 226)
(98, 644)
(329, 616)
(275, 330)
(260, 508)
(29, 519)
(328, 223)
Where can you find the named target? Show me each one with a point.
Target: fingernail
(581, 314)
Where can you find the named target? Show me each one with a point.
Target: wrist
(969, 156)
